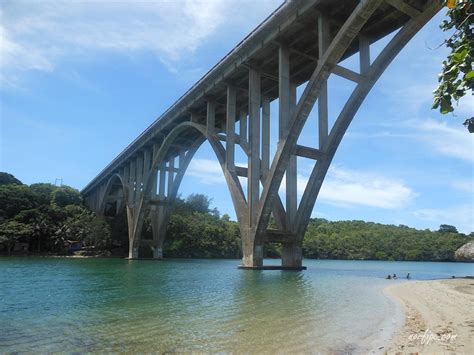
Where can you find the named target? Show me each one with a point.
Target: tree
(66, 195)
(44, 191)
(8, 179)
(14, 199)
(11, 232)
(446, 228)
(198, 202)
(457, 76)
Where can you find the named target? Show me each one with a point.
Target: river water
(91, 305)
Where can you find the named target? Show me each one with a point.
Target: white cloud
(36, 35)
(342, 187)
(345, 187)
(348, 188)
(449, 139)
(207, 171)
(459, 216)
(452, 141)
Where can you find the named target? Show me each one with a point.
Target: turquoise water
(57, 304)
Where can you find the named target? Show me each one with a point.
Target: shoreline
(438, 316)
(53, 255)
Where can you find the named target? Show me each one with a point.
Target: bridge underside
(301, 45)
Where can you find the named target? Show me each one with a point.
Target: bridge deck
(294, 24)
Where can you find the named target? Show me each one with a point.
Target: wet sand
(439, 317)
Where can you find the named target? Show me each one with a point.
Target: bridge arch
(160, 221)
(109, 187)
(117, 184)
(254, 73)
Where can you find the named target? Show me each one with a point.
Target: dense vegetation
(196, 231)
(48, 218)
(373, 241)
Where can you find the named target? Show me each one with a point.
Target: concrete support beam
(170, 176)
(347, 74)
(230, 128)
(254, 144)
(211, 117)
(308, 152)
(243, 127)
(402, 6)
(292, 255)
(182, 159)
(157, 252)
(132, 179)
(147, 156)
(291, 172)
(126, 173)
(154, 187)
(161, 190)
(139, 172)
(324, 39)
(283, 90)
(364, 55)
(265, 135)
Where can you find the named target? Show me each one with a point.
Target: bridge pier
(157, 252)
(292, 255)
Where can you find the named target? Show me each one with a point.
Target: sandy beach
(439, 317)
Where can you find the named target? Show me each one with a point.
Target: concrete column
(230, 128)
(147, 156)
(211, 117)
(252, 254)
(157, 252)
(265, 135)
(283, 90)
(133, 254)
(126, 173)
(243, 126)
(139, 174)
(364, 55)
(170, 176)
(159, 231)
(182, 157)
(132, 179)
(118, 206)
(154, 192)
(254, 145)
(292, 255)
(161, 191)
(324, 40)
(291, 172)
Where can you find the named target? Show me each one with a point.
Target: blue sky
(80, 80)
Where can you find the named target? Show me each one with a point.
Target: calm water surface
(53, 304)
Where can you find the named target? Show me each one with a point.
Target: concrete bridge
(301, 43)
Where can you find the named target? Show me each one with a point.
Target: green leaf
(469, 75)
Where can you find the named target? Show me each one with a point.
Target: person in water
(389, 277)
(408, 276)
(394, 276)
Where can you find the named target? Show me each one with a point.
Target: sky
(79, 80)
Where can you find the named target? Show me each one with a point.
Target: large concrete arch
(233, 182)
(303, 41)
(108, 187)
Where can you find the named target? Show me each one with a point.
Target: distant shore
(439, 317)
